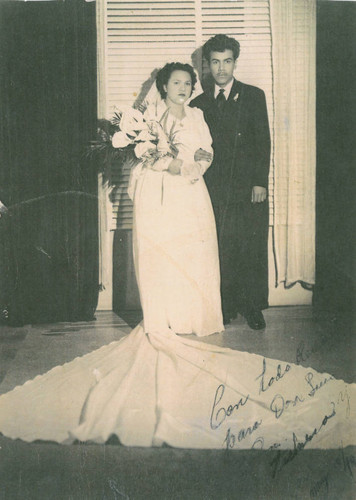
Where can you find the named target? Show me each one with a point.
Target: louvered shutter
(142, 36)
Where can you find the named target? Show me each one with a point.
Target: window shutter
(142, 36)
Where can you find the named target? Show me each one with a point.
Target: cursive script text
(264, 385)
(279, 404)
(230, 438)
(282, 460)
(220, 413)
(314, 388)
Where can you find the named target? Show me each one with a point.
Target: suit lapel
(235, 91)
(235, 101)
(212, 108)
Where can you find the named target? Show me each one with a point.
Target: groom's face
(222, 66)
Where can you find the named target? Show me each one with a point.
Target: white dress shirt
(227, 89)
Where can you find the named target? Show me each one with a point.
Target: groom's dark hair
(220, 43)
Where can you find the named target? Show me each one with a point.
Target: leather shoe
(255, 320)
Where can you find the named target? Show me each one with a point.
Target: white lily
(142, 148)
(132, 121)
(120, 140)
(145, 135)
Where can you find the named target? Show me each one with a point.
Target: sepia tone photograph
(177, 258)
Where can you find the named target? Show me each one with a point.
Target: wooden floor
(46, 470)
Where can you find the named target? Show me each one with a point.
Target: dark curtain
(49, 235)
(336, 119)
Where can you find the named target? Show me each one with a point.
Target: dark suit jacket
(241, 142)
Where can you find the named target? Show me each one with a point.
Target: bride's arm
(206, 142)
(203, 156)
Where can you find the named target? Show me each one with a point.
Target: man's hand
(259, 194)
(174, 166)
(202, 155)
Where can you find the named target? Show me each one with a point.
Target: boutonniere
(236, 97)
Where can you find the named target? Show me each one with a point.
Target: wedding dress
(175, 243)
(157, 386)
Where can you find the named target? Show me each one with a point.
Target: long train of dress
(150, 389)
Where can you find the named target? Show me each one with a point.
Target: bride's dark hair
(164, 75)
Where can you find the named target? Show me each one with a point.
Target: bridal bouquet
(131, 131)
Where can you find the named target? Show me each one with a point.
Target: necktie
(220, 99)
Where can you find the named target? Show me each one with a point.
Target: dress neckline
(162, 106)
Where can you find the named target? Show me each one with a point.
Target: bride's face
(179, 87)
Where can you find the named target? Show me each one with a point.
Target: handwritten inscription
(279, 404)
(264, 385)
(344, 463)
(314, 388)
(281, 461)
(231, 439)
(219, 413)
(260, 443)
(348, 462)
(268, 380)
(303, 354)
(344, 396)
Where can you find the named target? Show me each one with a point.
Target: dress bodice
(188, 135)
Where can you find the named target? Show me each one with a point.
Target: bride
(157, 386)
(175, 244)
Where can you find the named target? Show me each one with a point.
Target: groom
(237, 180)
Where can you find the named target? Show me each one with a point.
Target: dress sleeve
(206, 140)
(203, 140)
(262, 140)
